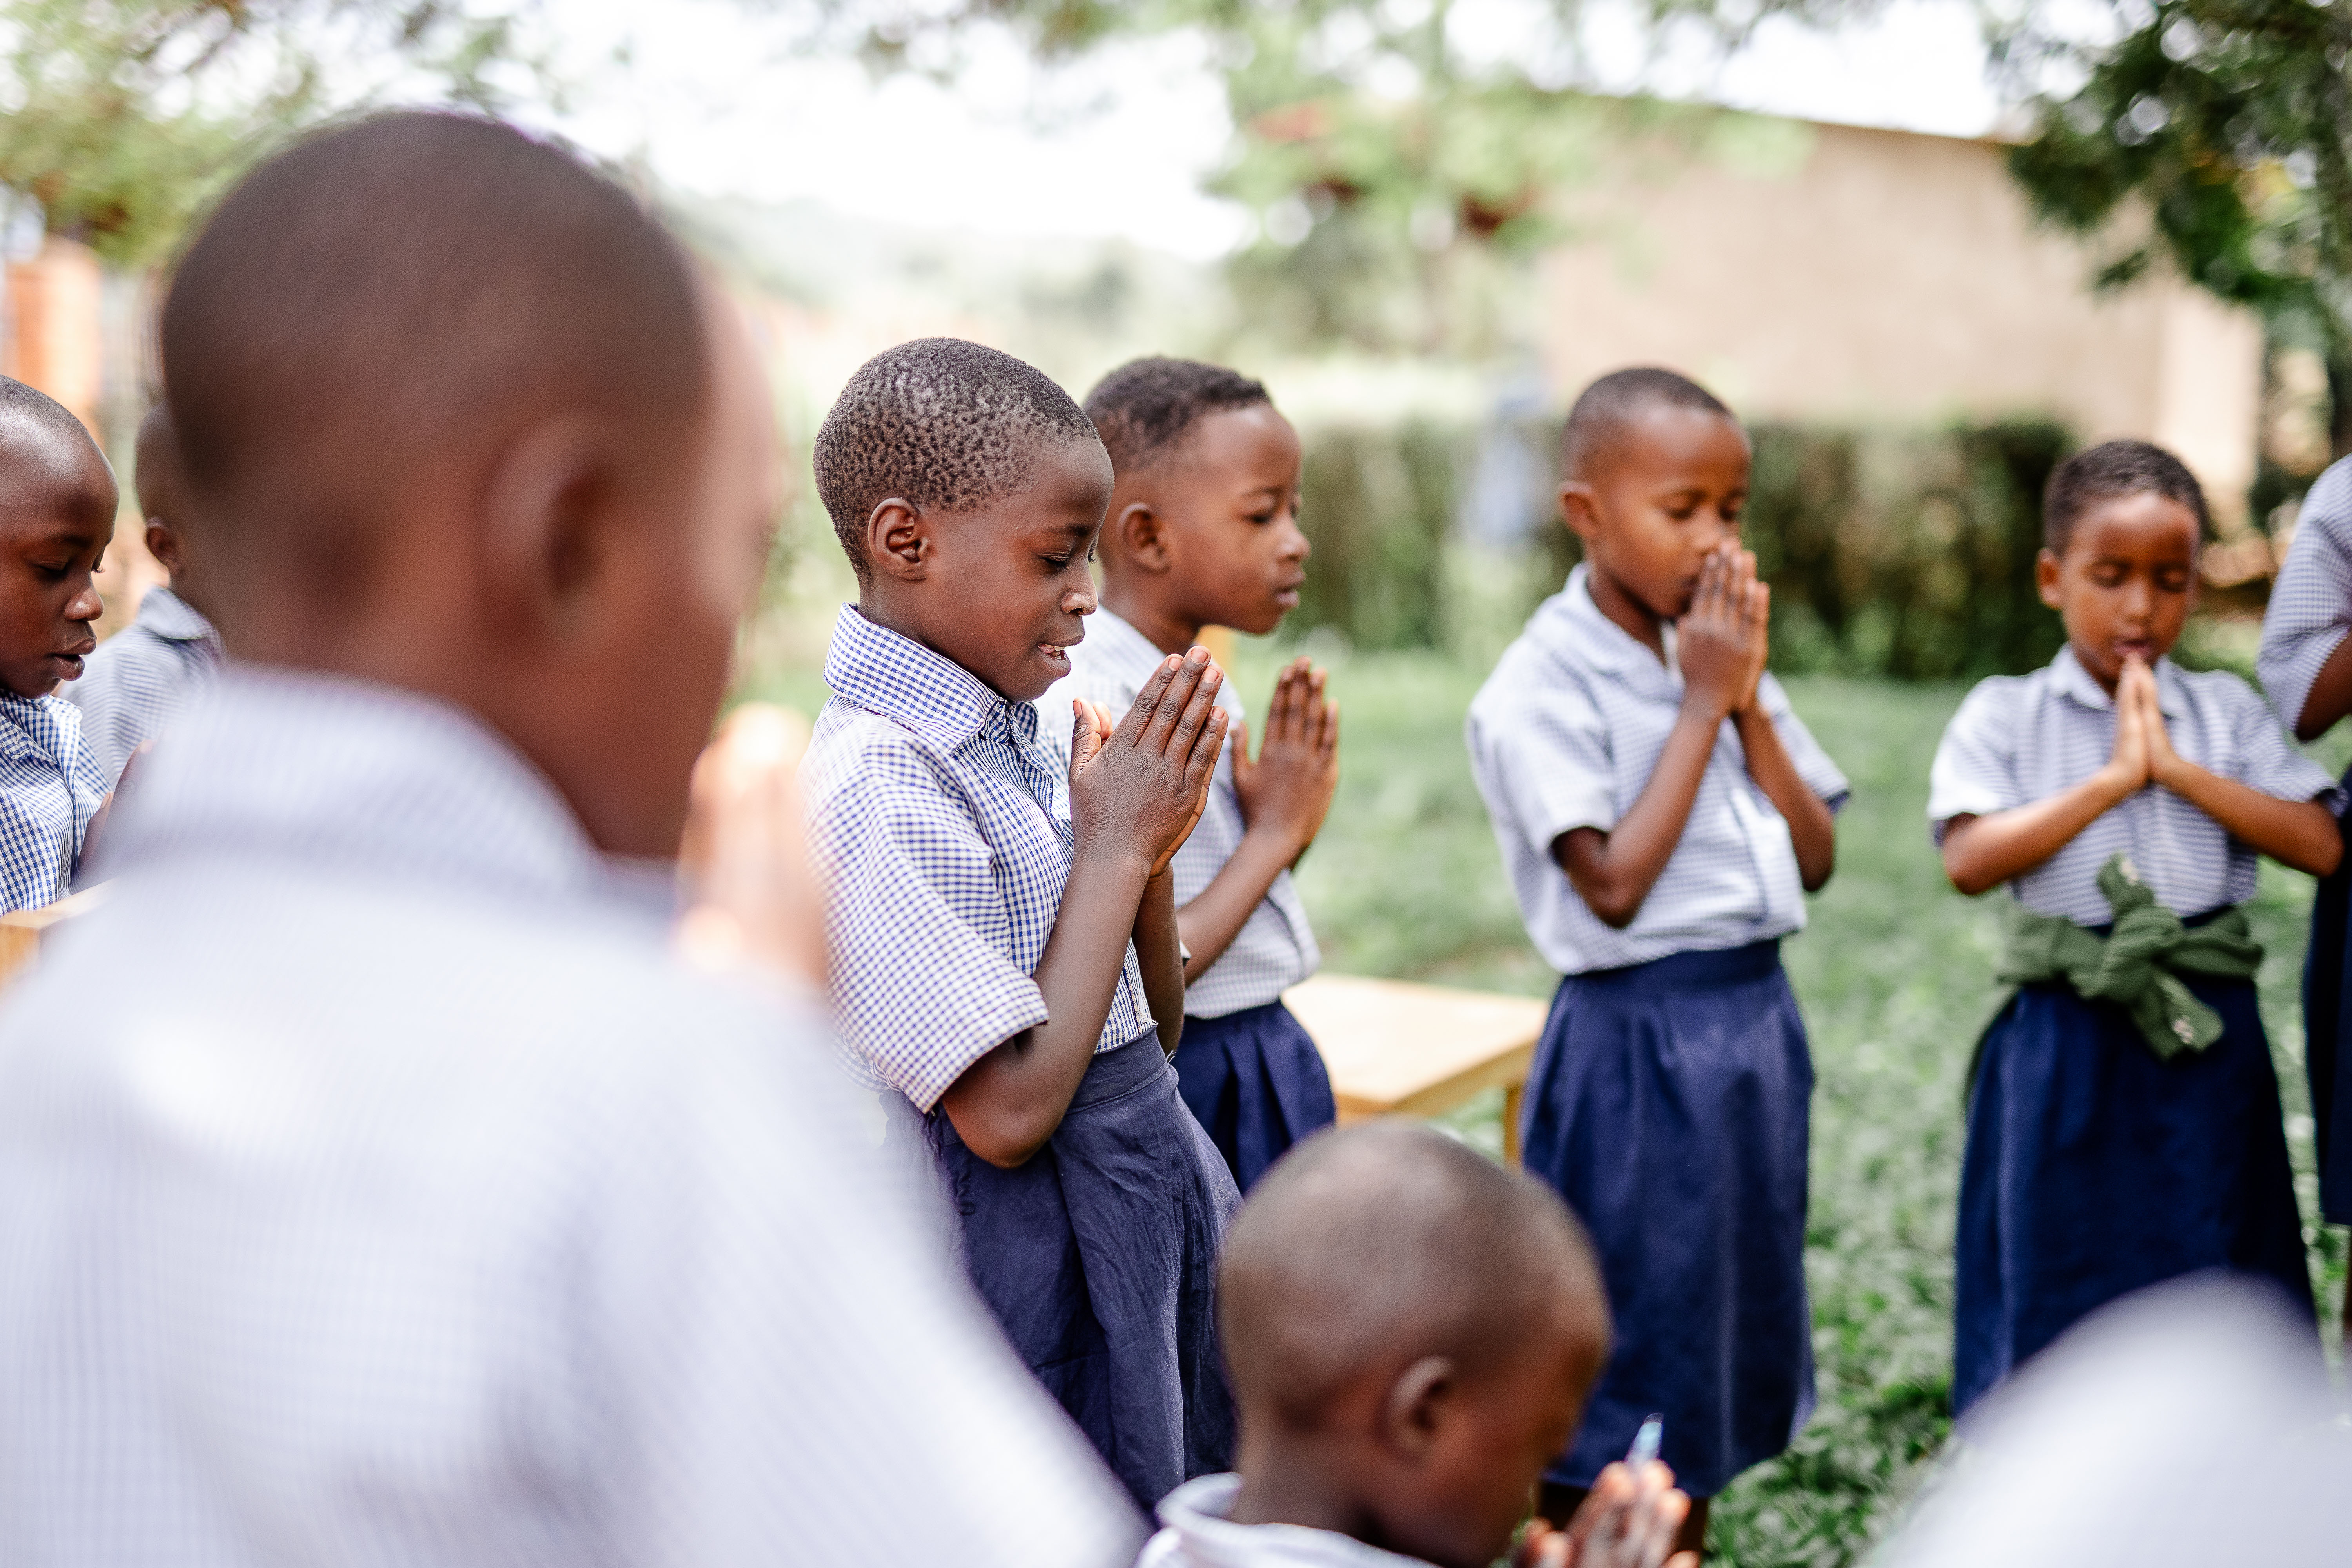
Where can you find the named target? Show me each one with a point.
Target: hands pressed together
(1286, 790)
(1138, 787)
(1720, 641)
(1627, 1522)
(2143, 752)
(753, 896)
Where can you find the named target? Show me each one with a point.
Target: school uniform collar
(38, 728)
(1578, 625)
(1120, 644)
(168, 616)
(1196, 1512)
(2075, 684)
(272, 763)
(878, 669)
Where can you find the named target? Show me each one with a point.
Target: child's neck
(1165, 627)
(1630, 615)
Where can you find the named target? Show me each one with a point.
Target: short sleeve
(1975, 770)
(1543, 758)
(919, 929)
(2311, 605)
(2268, 759)
(33, 809)
(1813, 766)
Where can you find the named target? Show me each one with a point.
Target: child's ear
(1580, 508)
(2045, 578)
(546, 522)
(898, 539)
(163, 544)
(1143, 535)
(1415, 1408)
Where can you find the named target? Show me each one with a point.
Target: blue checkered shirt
(139, 676)
(944, 830)
(2018, 738)
(1275, 949)
(1565, 733)
(50, 786)
(2311, 605)
(417, 1208)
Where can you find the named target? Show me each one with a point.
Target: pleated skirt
(2094, 1168)
(1098, 1258)
(1255, 1083)
(1669, 1102)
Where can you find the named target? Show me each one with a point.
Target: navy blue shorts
(1669, 1102)
(1255, 1083)
(1098, 1258)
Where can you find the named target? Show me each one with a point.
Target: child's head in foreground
(454, 413)
(1205, 515)
(967, 490)
(2121, 526)
(56, 517)
(1654, 476)
(1412, 1330)
(157, 476)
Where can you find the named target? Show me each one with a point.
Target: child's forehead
(1659, 434)
(2138, 523)
(45, 469)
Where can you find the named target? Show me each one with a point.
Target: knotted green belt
(2140, 966)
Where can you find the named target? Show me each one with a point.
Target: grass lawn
(1895, 976)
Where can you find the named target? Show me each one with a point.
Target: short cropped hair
(941, 423)
(24, 405)
(1604, 409)
(360, 302)
(1375, 1245)
(2110, 472)
(1146, 407)
(156, 471)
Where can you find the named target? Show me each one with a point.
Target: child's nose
(87, 605)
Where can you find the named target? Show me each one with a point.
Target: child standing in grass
(1204, 530)
(1663, 813)
(2123, 1115)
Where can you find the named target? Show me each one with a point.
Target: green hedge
(1901, 554)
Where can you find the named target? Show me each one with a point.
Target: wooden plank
(21, 931)
(1396, 1049)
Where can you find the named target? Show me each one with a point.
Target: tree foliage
(121, 117)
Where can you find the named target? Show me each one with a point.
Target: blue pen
(1644, 1450)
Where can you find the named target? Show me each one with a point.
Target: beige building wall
(1881, 276)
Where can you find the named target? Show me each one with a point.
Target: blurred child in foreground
(1663, 813)
(1412, 1330)
(1202, 531)
(140, 677)
(1004, 927)
(2123, 1113)
(57, 518)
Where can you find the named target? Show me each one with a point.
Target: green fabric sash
(2140, 967)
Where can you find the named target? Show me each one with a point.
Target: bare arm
(1983, 852)
(2330, 697)
(2298, 832)
(1614, 871)
(1284, 796)
(1134, 794)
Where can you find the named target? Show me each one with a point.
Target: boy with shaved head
(57, 518)
(1005, 957)
(1663, 813)
(140, 677)
(420, 1207)
(1412, 1330)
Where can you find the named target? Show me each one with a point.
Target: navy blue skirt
(1098, 1258)
(1669, 1104)
(1255, 1083)
(2327, 1037)
(2094, 1168)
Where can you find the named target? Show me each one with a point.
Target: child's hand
(1758, 596)
(1624, 1523)
(2127, 765)
(1719, 641)
(1140, 788)
(2138, 687)
(744, 855)
(1288, 790)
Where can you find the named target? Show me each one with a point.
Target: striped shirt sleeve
(1975, 770)
(2311, 605)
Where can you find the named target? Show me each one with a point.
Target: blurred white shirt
(2188, 1426)
(411, 1205)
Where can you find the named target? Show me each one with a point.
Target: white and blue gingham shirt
(1197, 1533)
(1565, 733)
(1275, 949)
(137, 678)
(418, 1209)
(2311, 605)
(943, 828)
(2018, 738)
(50, 786)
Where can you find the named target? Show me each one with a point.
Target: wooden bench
(22, 929)
(1395, 1048)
